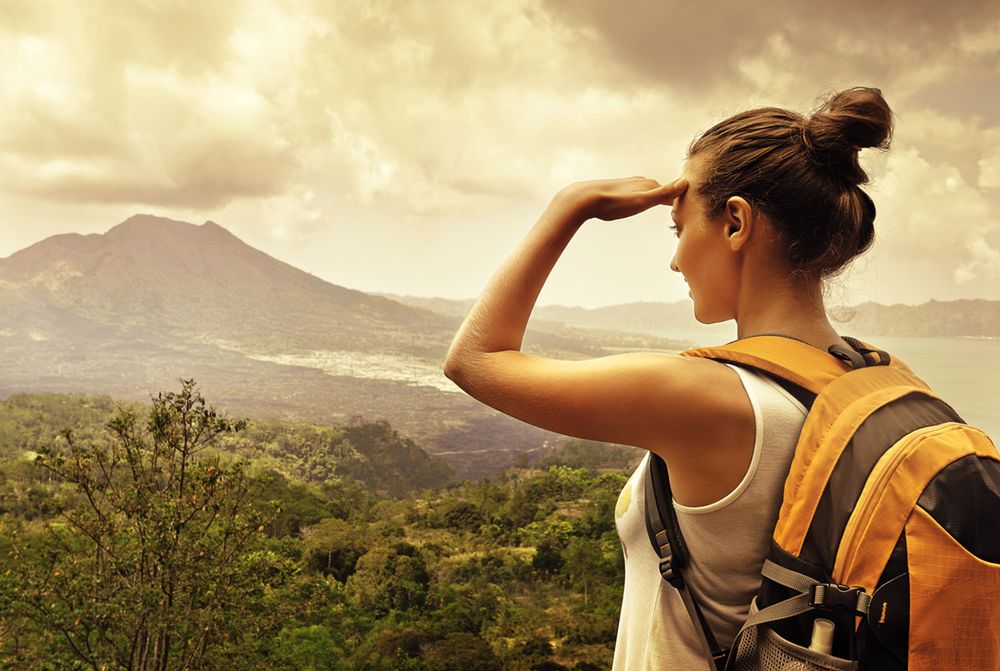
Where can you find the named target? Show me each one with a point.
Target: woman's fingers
(668, 193)
(664, 194)
(623, 197)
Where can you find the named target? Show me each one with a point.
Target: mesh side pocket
(761, 649)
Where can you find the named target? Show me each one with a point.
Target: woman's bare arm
(498, 319)
(623, 398)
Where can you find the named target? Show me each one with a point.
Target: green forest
(167, 536)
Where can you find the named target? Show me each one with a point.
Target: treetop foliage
(165, 538)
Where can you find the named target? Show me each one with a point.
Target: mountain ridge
(159, 272)
(964, 317)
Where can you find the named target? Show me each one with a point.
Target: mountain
(652, 318)
(202, 282)
(130, 312)
(961, 318)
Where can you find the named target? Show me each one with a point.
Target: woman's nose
(673, 265)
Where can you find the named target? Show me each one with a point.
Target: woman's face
(703, 255)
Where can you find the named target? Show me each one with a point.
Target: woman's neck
(782, 308)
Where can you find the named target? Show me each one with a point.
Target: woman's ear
(738, 222)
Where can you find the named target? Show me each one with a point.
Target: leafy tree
(311, 648)
(549, 665)
(159, 566)
(578, 453)
(333, 547)
(522, 510)
(547, 559)
(389, 462)
(394, 645)
(460, 651)
(301, 505)
(584, 565)
(387, 579)
(457, 514)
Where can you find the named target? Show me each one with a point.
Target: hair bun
(847, 122)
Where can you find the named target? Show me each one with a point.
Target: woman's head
(802, 173)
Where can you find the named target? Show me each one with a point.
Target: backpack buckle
(830, 596)
(669, 574)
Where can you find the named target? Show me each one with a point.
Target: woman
(768, 205)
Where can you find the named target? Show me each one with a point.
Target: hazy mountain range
(969, 318)
(131, 311)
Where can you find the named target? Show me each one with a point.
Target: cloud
(291, 121)
(989, 168)
(140, 104)
(983, 260)
(934, 231)
(702, 48)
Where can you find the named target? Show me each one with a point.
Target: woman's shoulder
(709, 438)
(700, 398)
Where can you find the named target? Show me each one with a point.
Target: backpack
(889, 525)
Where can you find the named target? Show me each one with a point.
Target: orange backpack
(889, 526)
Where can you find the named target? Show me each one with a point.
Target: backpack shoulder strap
(667, 540)
(797, 362)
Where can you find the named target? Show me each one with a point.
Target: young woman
(768, 205)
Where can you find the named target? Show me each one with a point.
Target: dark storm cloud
(701, 46)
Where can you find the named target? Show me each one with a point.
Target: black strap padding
(800, 394)
(661, 518)
(664, 501)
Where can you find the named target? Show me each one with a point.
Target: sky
(406, 146)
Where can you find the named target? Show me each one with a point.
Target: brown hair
(803, 173)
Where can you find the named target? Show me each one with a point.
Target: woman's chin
(704, 317)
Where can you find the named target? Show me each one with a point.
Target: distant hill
(129, 312)
(670, 321)
(960, 318)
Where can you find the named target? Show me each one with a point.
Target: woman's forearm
(497, 321)
(500, 316)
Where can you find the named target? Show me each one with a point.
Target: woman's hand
(612, 199)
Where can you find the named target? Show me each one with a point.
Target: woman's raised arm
(498, 319)
(628, 398)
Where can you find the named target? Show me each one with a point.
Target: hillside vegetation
(169, 537)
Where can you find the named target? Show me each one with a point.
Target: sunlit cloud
(368, 128)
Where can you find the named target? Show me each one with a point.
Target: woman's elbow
(466, 369)
(454, 367)
(451, 369)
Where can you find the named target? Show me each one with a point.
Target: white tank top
(727, 541)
